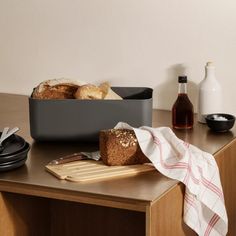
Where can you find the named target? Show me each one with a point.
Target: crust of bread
(120, 147)
(64, 88)
(56, 89)
(89, 91)
(108, 93)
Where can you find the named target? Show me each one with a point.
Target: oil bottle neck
(182, 88)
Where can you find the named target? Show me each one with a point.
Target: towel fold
(204, 207)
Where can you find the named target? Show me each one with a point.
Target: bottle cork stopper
(209, 63)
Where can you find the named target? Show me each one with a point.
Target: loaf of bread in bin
(70, 89)
(120, 147)
(56, 89)
(92, 92)
(88, 91)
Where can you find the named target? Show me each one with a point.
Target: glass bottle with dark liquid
(182, 110)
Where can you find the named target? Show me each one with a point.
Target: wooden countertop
(142, 189)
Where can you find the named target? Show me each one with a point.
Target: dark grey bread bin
(81, 120)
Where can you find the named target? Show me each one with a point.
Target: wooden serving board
(88, 170)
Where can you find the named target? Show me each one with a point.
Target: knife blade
(76, 157)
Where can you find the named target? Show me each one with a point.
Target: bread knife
(76, 157)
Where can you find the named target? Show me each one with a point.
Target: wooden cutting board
(88, 170)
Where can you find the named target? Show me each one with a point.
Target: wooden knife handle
(68, 158)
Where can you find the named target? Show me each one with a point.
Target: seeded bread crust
(120, 147)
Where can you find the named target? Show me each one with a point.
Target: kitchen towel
(204, 208)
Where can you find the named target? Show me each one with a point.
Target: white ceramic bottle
(210, 94)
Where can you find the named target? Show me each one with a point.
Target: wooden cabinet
(33, 202)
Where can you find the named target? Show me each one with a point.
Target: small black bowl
(220, 122)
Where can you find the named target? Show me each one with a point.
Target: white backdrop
(126, 42)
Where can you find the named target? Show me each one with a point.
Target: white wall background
(126, 42)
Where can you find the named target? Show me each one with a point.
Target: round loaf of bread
(57, 89)
(89, 91)
(120, 147)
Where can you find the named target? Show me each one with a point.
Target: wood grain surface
(90, 170)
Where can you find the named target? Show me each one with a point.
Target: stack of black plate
(14, 152)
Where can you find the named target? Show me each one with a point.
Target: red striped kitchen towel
(204, 208)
